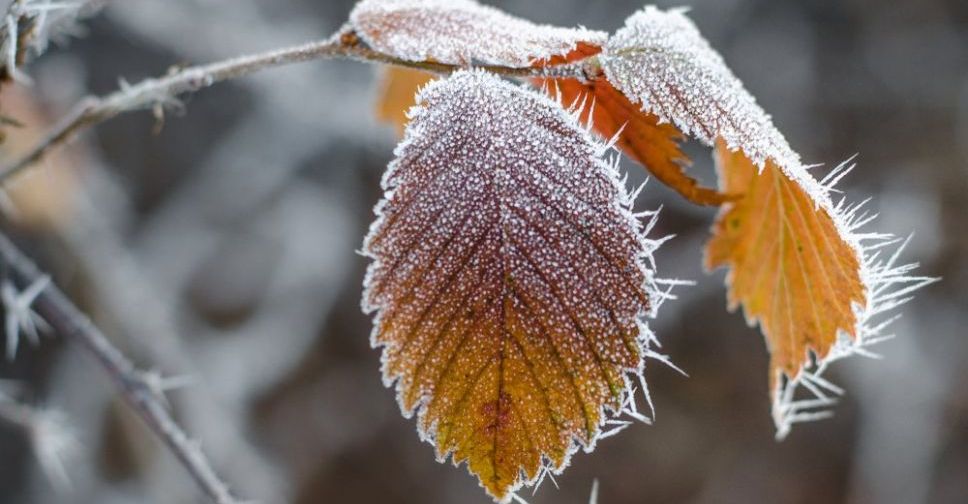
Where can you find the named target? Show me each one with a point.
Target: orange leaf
(398, 90)
(799, 267)
(509, 281)
(399, 85)
(642, 136)
(791, 268)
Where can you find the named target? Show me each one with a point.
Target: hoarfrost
(51, 21)
(888, 284)
(510, 277)
(462, 32)
(660, 60)
(20, 316)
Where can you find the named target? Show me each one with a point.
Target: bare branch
(159, 92)
(136, 387)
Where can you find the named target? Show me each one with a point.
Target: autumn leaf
(509, 281)
(463, 32)
(660, 61)
(790, 266)
(802, 272)
(460, 32)
(399, 85)
(640, 135)
(798, 264)
(398, 90)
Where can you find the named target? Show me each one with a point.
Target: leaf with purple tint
(510, 281)
(464, 32)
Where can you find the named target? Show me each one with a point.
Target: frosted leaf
(660, 60)
(639, 134)
(510, 281)
(462, 32)
(799, 264)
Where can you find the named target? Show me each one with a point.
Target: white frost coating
(887, 285)
(660, 60)
(50, 21)
(462, 32)
(474, 151)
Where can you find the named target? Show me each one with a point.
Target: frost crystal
(51, 437)
(462, 32)
(888, 284)
(511, 281)
(660, 60)
(49, 21)
(20, 316)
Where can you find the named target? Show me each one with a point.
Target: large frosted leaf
(509, 281)
(463, 32)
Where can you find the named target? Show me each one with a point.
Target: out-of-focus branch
(158, 92)
(30, 24)
(50, 436)
(136, 387)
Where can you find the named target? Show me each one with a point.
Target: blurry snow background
(223, 249)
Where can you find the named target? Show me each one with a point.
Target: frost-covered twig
(29, 25)
(137, 388)
(19, 316)
(156, 93)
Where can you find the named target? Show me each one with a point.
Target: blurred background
(221, 245)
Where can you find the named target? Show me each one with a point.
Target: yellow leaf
(509, 281)
(799, 267)
(790, 266)
(398, 90)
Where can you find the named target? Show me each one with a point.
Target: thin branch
(134, 385)
(158, 92)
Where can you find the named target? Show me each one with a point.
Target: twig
(68, 321)
(29, 25)
(157, 92)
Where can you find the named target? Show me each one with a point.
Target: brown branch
(158, 92)
(134, 385)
